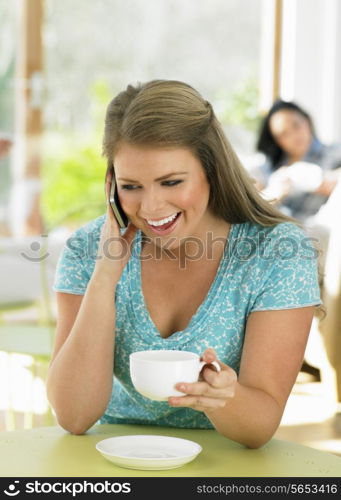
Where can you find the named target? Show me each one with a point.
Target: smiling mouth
(163, 224)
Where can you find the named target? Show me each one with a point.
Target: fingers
(226, 377)
(205, 389)
(209, 355)
(200, 403)
(212, 392)
(214, 384)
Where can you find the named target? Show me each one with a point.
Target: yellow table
(52, 452)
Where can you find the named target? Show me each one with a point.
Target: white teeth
(163, 221)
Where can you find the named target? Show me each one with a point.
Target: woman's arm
(249, 410)
(80, 375)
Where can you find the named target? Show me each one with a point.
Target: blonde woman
(205, 265)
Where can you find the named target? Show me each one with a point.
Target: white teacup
(305, 176)
(155, 373)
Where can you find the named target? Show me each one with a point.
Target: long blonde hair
(170, 113)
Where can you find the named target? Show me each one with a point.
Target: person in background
(299, 172)
(287, 137)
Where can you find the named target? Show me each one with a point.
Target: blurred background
(60, 65)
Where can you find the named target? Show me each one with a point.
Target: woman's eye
(171, 183)
(129, 187)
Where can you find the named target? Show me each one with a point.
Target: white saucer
(148, 452)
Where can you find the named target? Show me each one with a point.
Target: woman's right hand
(114, 249)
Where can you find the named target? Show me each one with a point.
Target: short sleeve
(74, 268)
(289, 271)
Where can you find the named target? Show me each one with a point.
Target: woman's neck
(208, 243)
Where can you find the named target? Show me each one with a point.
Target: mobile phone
(121, 217)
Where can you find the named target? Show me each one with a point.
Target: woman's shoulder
(280, 239)
(83, 241)
(282, 268)
(281, 229)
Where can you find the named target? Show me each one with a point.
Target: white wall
(311, 63)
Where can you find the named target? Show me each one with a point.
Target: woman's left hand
(213, 389)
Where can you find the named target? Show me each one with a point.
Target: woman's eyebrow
(158, 179)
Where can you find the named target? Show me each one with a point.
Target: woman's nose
(151, 202)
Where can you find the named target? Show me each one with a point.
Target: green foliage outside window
(240, 107)
(73, 170)
(73, 184)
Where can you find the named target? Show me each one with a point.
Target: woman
(205, 265)
(287, 138)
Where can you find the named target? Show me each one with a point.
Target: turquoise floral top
(263, 268)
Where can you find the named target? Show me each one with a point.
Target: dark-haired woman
(287, 138)
(300, 172)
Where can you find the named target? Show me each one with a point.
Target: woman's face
(292, 133)
(164, 192)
